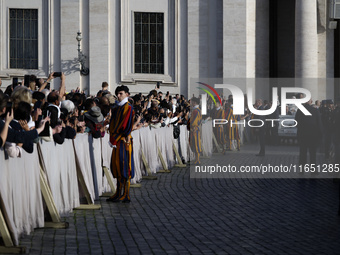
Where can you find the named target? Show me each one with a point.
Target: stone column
(306, 41)
(99, 45)
(306, 45)
(236, 36)
(69, 26)
(193, 44)
(182, 12)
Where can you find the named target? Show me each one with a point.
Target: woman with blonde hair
(21, 94)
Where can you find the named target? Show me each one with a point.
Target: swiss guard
(233, 132)
(195, 129)
(120, 128)
(219, 129)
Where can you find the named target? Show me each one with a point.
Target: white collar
(218, 108)
(124, 101)
(196, 106)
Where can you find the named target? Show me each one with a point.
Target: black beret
(121, 88)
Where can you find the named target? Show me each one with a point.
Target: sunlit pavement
(176, 214)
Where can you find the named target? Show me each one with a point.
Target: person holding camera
(22, 115)
(53, 110)
(4, 131)
(14, 136)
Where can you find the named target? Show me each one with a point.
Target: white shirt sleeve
(173, 119)
(13, 150)
(167, 121)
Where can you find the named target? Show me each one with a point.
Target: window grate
(23, 34)
(149, 42)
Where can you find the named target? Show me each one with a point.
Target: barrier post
(203, 152)
(48, 198)
(149, 176)
(180, 163)
(52, 209)
(110, 181)
(216, 143)
(7, 239)
(89, 205)
(136, 185)
(4, 231)
(165, 168)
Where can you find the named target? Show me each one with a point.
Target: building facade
(142, 42)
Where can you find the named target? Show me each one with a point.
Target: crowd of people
(70, 113)
(30, 109)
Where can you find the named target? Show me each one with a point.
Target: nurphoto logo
(238, 104)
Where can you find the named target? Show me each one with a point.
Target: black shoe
(126, 200)
(112, 200)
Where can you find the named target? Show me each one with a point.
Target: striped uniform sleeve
(121, 122)
(228, 114)
(195, 120)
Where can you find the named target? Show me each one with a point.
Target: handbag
(176, 131)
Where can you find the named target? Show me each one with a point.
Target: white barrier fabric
(148, 142)
(106, 151)
(62, 174)
(20, 192)
(106, 159)
(160, 139)
(19, 177)
(96, 161)
(81, 146)
(207, 142)
(137, 158)
(240, 131)
(183, 142)
(168, 146)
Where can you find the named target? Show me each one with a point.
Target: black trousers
(307, 144)
(262, 138)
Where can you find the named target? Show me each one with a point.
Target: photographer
(22, 115)
(53, 110)
(69, 121)
(44, 85)
(8, 119)
(13, 135)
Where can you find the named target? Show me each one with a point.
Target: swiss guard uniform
(122, 165)
(219, 129)
(233, 132)
(195, 133)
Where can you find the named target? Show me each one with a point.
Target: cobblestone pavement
(179, 215)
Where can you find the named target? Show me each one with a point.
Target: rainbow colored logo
(209, 93)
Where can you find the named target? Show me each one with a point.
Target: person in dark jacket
(22, 113)
(14, 136)
(309, 133)
(261, 129)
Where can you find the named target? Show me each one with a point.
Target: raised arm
(50, 77)
(62, 88)
(4, 131)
